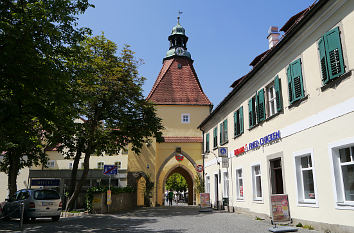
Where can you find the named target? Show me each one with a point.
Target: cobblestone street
(162, 219)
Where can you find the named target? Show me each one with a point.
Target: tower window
(185, 118)
(179, 66)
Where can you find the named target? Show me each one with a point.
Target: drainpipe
(203, 155)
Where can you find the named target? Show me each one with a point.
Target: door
(276, 176)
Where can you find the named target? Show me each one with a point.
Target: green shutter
(278, 94)
(235, 124)
(298, 88)
(290, 84)
(215, 137)
(323, 61)
(250, 112)
(261, 105)
(221, 130)
(241, 119)
(226, 138)
(207, 143)
(334, 53)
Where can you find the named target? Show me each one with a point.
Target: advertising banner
(204, 200)
(109, 197)
(280, 208)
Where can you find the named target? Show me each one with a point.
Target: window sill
(215, 148)
(335, 82)
(308, 204)
(240, 200)
(345, 206)
(236, 136)
(296, 103)
(221, 144)
(274, 115)
(258, 201)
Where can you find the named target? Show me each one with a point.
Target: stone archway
(189, 179)
(188, 172)
(140, 191)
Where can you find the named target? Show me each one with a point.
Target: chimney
(273, 36)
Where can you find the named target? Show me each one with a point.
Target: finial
(179, 13)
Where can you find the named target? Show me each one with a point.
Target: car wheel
(56, 218)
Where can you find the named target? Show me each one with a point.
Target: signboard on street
(109, 197)
(199, 168)
(222, 151)
(204, 200)
(280, 208)
(110, 170)
(225, 163)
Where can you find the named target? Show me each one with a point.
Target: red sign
(179, 157)
(240, 150)
(199, 168)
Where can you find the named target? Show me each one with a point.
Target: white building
(288, 124)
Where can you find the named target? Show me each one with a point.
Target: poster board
(204, 200)
(280, 208)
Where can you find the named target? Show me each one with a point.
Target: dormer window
(185, 118)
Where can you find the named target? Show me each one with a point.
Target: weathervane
(179, 13)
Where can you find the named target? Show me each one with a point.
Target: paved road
(162, 219)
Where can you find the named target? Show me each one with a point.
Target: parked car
(38, 203)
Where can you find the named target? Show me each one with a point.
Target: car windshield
(46, 195)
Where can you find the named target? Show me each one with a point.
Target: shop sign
(280, 208)
(204, 200)
(254, 145)
(45, 182)
(179, 157)
(199, 168)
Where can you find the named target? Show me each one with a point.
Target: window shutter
(235, 123)
(334, 53)
(215, 137)
(221, 130)
(298, 88)
(241, 119)
(323, 61)
(261, 105)
(225, 131)
(278, 94)
(250, 112)
(207, 143)
(290, 84)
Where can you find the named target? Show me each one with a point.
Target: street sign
(110, 170)
(225, 163)
(199, 168)
(222, 151)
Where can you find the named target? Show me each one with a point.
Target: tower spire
(179, 16)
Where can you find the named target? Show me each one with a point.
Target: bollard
(22, 211)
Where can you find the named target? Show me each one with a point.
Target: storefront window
(226, 184)
(257, 183)
(207, 184)
(346, 156)
(239, 184)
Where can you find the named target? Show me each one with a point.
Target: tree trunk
(12, 174)
(73, 177)
(79, 184)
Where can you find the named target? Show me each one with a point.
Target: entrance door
(276, 176)
(216, 185)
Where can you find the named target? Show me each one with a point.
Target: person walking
(170, 197)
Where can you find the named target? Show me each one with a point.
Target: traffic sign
(199, 168)
(225, 163)
(110, 170)
(222, 151)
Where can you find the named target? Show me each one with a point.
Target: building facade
(287, 124)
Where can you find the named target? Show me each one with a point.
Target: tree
(176, 182)
(36, 38)
(109, 93)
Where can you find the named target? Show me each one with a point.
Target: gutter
(273, 51)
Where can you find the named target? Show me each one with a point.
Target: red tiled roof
(183, 139)
(176, 85)
(258, 58)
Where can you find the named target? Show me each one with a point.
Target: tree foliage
(109, 97)
(36, 39)
(176, 182)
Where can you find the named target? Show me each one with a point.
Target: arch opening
(189, 180)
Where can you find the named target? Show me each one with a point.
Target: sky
(224, 35)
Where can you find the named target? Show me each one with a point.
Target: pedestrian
(170, 197)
